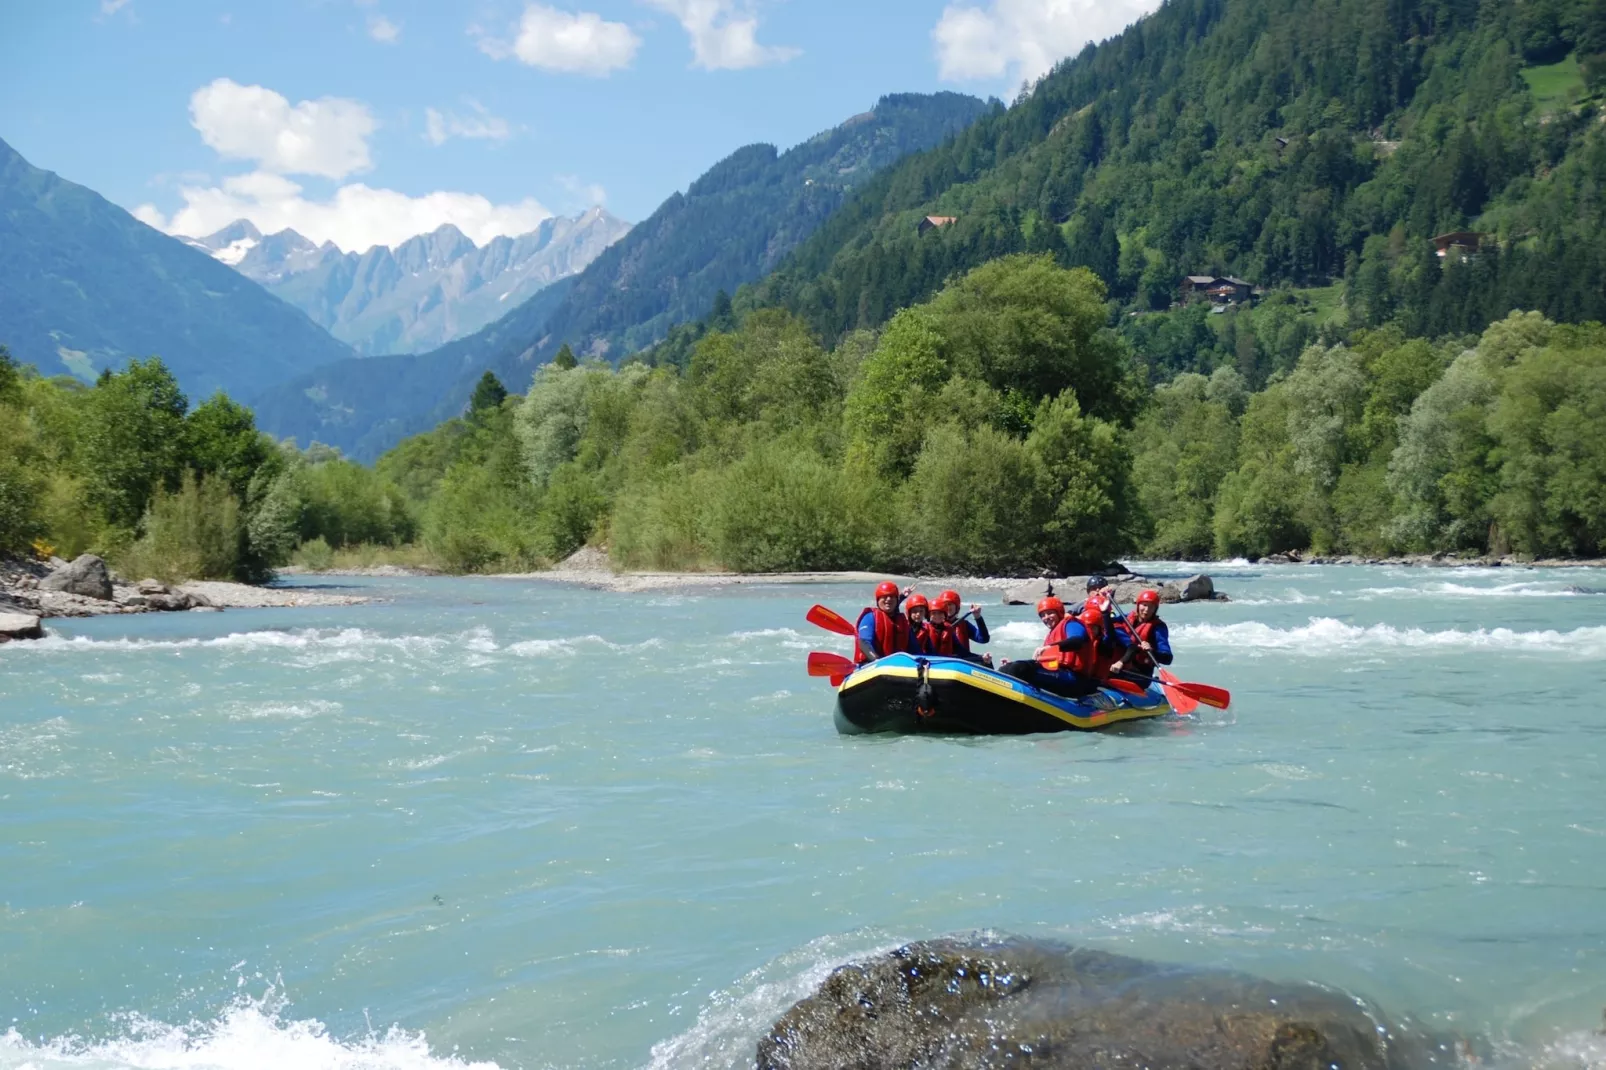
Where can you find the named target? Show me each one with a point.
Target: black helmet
(1097, 583)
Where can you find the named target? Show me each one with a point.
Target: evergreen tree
(489, 393)
(564, 360)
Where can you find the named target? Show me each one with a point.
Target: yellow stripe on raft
(998, 687)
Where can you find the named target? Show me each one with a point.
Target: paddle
(834, 666)
(829, 620)
(1180, 694)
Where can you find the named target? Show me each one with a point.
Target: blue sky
(366, 121)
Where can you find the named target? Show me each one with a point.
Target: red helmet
(1149, 598)
(884, 588)
(1050, 603)
(947, 598)
(917, 601)
(1092, 617)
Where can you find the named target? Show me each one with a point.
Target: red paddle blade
(1125, 686)
(830, 621)
(1180, 704)
(1219, 697)
(832, 665)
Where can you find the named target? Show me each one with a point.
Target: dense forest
(947, 441)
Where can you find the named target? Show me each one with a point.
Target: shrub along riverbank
(1002, 426)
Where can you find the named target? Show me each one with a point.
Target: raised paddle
(829, 620)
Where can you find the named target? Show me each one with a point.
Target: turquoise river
(513, 823)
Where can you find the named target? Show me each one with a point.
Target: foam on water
(1325, 635)
(249, 1035)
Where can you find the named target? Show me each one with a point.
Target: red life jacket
(948, 640)
(891, 634)
(1085, 659)
(1138, 658)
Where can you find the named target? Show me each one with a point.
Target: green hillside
(1287, 142)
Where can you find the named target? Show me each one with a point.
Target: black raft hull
(964, 698)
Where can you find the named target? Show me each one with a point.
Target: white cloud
(356, 218)
(112, 7)
(1023, 39)
(383, 30)
(439, 126)
(570, 43)
(327, 137)
(723, 36)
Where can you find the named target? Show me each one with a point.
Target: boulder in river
(19, 626)
(969, 1005)
(86, 576)
(1199, 588)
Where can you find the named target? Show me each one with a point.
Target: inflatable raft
(960, 696)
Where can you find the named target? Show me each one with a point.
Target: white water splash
(733, 1019)
(325, 644)
(1325, 635)
(250, 1035)
(1521, 589)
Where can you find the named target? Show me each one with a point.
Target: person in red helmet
(1072, 659)
(950, 636)
(882, 628)
(1149, 643)
(918, 610)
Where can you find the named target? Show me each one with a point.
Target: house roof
(941, 220)
(1201, 280)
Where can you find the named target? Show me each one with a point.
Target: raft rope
(925, 698)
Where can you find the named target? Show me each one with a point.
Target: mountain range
(730, 227)
(426, 291)
(87, 286)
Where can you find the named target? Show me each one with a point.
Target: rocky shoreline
(31, 591)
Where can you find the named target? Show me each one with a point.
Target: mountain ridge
(88, 286)
(421, 293)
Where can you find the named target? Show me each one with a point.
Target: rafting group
(1085, 646)
(913, 668)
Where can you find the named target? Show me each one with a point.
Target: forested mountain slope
(85, 286)
(737, 221)
(1284, 141)
(365, 405)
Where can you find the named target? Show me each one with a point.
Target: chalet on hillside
(932, 222)
(1459, 244)
(1216, 289)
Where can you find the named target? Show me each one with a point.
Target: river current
(517, 824)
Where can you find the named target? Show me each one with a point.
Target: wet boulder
(17, 625)
(975, 1004)
(86, 576)
(1200, 588)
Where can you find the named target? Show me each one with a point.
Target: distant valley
(427, 291)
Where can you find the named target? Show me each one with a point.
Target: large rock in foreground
(1018, 1003)
(87, 576)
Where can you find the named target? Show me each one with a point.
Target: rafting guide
(912, 668)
